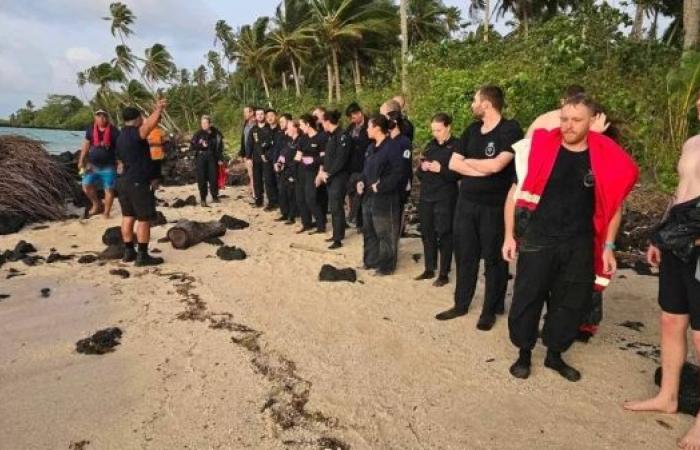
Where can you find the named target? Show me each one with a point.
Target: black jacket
(260, 141)
(312, 148)
(384, 164)
(278, 141)
(680, 230)
(214, 140)
(335, 161)
(441, 185)
(286, 158)
(360, 142)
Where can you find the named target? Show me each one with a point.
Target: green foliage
(59, 111)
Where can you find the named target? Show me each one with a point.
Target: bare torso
(689, 171)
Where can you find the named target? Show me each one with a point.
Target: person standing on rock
(565, 217)
(259, 142)
(313, 147)
(675, 249)
(97, 162)
(137, 183)
(487, 170)
(269, 157)
(208, 145)
(357, 130)
(380, 187)
(248, 124)
(334, 173)
(438, 197)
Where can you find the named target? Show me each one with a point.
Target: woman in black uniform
(312, 149)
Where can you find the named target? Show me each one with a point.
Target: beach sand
(259, 354)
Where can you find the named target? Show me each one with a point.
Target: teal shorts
(105, 177)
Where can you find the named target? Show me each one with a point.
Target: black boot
(441, 281)
(427, 275)
(486, 321)
(144, 259)
(451, 313)
(553, 361)
(521, 367)
(129, 253)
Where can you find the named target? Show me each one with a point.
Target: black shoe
(290, 222)
(257, 205)
(330, 239)
(216, 200)
(280, 219)
(382, 273)
(269, 208)
(450, 314)
(486, 322)
(427, 275)
(203, 204)
(317, 231)
(144, 259)
(553, 361)
(303, 230)
(129, 255)
(521, 367)
(441, 281)
(334, 245)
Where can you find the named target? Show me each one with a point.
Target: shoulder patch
(407, 154)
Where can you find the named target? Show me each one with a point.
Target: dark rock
(112, 252)
(55, 256)
(10, 223)
(159, 220)
(689, 389)
(87, 259)
(189, 201)
(232, 223)
(14, 273)
(4, 296)
(112, 236)
(22, 248)
(330, 273)
(45, 292)
(636, 326)
(416, 257)
(214, 241)
(120, 273)
(32, 260)
(100, 343)
(163, 240)
(231, 253)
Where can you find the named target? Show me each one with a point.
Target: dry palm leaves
(32, 184)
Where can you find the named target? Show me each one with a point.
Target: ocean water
(55, 141)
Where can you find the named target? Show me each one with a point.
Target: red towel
(223, 175)
(106, 137)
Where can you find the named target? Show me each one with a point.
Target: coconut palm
(251, 50)
(157, 64)
(430, 20)
(121, 19)
(124, 59)
(214, 62)
(475, 7)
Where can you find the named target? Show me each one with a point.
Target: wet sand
(259, 354)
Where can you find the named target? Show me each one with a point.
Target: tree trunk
(356, 71)
(636, 33)
(487, 19)
(691, 23)
(284, 81)
(267, 89)
(404, 46)
(329, 72)
(526, 21)
(186, 233)
(296, 77)
(654, 25)
(336, 74)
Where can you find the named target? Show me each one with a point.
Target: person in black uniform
(138, 182)
(322, 194)
(208, 145)
(379, 187)
(312, 148)
(357, 130)
(334, 173)
(392, 105)
(269, 157)
(259, 142)
(286, 168)
(438, 196)
(396, 123)
(479, 222)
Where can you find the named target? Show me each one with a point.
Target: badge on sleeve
(407, 154)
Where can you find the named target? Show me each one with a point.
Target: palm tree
(430, 20)
(223, 34)
(251, 50)
(157, 64)
(124, 59)
(691, 23)
(214, 62)
(121, 19)
(81, 81)
(291, 39)
(481, 5)
(29, 105)
(199, 76)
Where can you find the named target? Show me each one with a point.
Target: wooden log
(186, 233)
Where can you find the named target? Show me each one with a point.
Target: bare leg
(249, 168)
(691, 440)
(128, 229)
(143, 232)
(91, 194)
(109, 200)
(673, 354)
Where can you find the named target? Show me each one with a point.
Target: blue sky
(46, 42)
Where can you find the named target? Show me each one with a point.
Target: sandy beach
(259, 354)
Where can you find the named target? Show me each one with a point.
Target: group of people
(552, 197)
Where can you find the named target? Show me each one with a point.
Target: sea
(55, 141)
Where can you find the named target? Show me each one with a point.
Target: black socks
(553, 361)
(143, 248)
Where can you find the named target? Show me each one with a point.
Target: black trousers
(207, 175)
(258, 184)
(436, 219)
(355, 200)
(270, 180)
(337, 187)
(559, 275)
(300, 197)
(379, 230)
(311, 198)
(287, 197)
(478, 233)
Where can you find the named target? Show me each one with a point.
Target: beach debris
(214, 241)
(87, 259)
(120, 273)
(78, 445)
(40, 227)
(4, 296)
(232, 223)
(11, 223)
(186, 233)
(231, 253)
(103, 341)
(180, 203)
(55, 256)
(159, 220)
(46, 292)
(112, 252)
(689, 389)
(636, 326)
(112, 236)
(331, 273)
(416, 257)
(14, 273)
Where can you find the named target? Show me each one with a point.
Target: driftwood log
(186, 233)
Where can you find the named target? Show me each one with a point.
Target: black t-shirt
(565, 210)
(490, 190)
(102, 155)
(441, 185)
(135, 154)
(311, 149)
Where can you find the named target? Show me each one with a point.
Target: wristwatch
(609, 246)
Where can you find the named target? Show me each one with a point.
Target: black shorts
(679, 291)
(136, 200)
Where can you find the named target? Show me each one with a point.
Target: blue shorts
(106, 178)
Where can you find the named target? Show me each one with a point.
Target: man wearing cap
(97, 162)
(138, 181)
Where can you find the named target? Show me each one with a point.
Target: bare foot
(658, 404)
(691, 440)
(105, 215)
